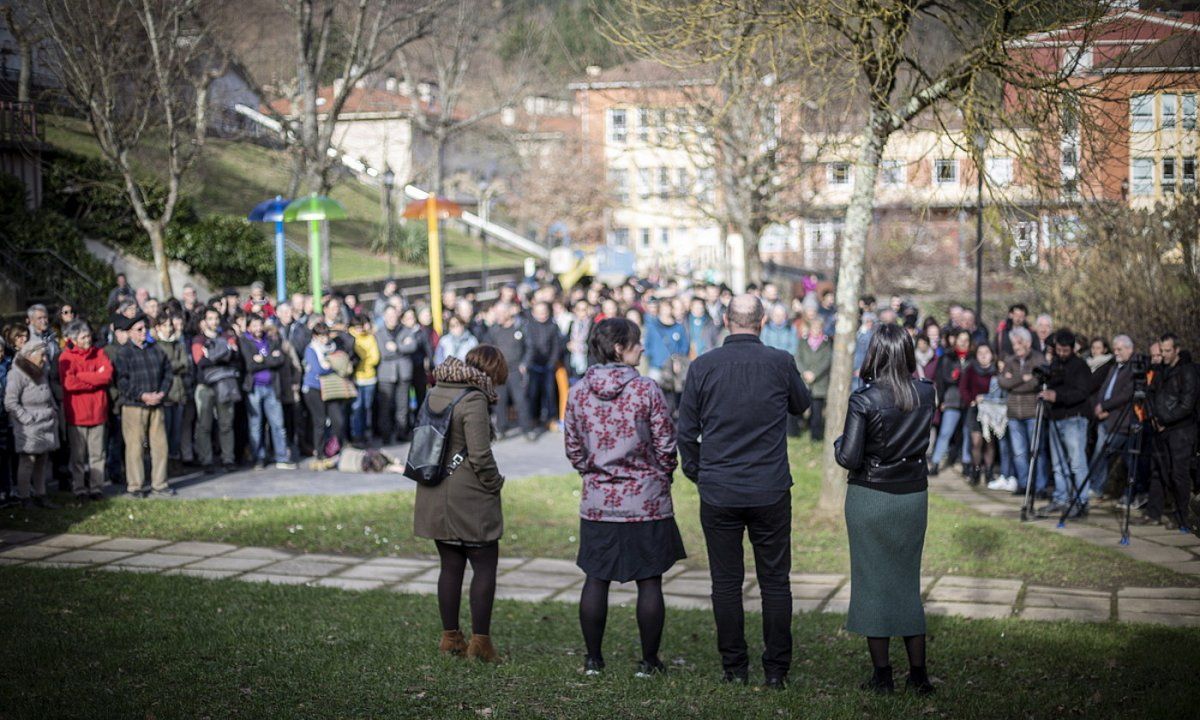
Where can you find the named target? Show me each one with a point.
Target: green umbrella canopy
(314, 207)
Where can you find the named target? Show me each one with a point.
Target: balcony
(19, 125)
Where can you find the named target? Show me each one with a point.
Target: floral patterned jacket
(620, 437)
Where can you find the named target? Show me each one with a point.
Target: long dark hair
(891, 362)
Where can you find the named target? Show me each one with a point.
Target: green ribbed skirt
(887, 535)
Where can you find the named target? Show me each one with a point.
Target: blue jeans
(1020, 438)
(1068, 452)
(950, 418)
(1004, 447)
(1100, 459)
(361, 420)
(173, 415)
(261, 401)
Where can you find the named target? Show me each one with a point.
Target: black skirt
(627, 551)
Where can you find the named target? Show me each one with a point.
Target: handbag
(336, 387)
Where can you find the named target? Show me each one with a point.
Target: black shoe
(26, 503)
(741, 678)
(881, 682)
(593, 666)
(169, 492)
(229, 467)
(973, 475)
(934, 469)
(776, 682)
(650, 668)
(134, 495)
(96, 496)
(919, 686)
(210, 469)
(45, 503)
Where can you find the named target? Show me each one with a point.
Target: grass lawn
(541, 519)
(102, 645)
(232, 177)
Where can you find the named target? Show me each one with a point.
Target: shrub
(232, 251)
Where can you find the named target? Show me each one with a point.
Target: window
(706, 179)
(839, 173)
(1141, 110)
(619, 237)
(893, 172)
(617, 126)
(1187, 106)
(820, 243)
(664, 237)
(1142, 176)
(683, 182)
(999, 170)
(1189, 174)
(1076, 60)
(1025, 244)
(945, 172)
(644, 180)
(643, 125)
(1168, 175)
(1168, 111)
(644, 238)
(664, 182)
(618, 179)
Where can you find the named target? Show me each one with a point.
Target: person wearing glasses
(66, 316)
(143, 378)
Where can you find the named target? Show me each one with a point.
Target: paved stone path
(539, 579)
(1171, 549)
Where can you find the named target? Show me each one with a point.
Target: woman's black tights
(651, 615)
(483, 584)
(914, 644)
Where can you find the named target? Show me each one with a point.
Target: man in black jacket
(143, 379)
(215, 355)
(1067, 392)
(1112, 406)
(733, 420)
(507, 335)
(1173, 400)
(543, 350)
(264, 359)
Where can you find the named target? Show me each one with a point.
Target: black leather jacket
(1174, 394)
(884, 447)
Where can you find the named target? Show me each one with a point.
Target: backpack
(429, 459)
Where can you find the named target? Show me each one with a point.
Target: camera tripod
(1135, 452)
(1035, 449)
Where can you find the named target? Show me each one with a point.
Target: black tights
(983, 452)
(483, 584)
(914, 644)
(651, 614)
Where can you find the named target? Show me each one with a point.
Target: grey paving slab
(301, 567)
(1150, 552)
(509, 563)
(564, 567)
(969, 610)
(91, 557)
(800, 605)
(261, 553)
(1159, 592)
(926, 582)
(228, 564)
(381, 573)
(1179, 540)
(155, 560)
(323, 558)
(53, 564)
(68, 540)
(143, 570)
(974, 582)
(1186, 568)
(528, 579)
(400, 562)
(10, 561)
(30, 552)
(528, 594)
(687, 602)
(343, 583)
(131, 544)
(1171, 619)
(1069, 614)
(836, 605)
(276, 579)
(694, 575)
(416, 588)
(1158, 605)
(813, 578)
(1086, 592)
(201, 573)
(954, 593)
(1066, 601)
(684, 586)
(197, 549)
(13, 537)
(432, 575)
(812, 592)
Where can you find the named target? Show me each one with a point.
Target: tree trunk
(751, 258)
(25, 75)
(159, 248)
(849, 284)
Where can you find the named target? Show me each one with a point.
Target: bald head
(745, 314)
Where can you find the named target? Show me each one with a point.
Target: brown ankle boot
(453, 643)
(481, 649)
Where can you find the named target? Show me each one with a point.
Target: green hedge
(225, 250)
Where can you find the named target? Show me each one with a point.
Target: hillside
(234, 176)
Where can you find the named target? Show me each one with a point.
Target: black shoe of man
(776, 682)
(739, 678)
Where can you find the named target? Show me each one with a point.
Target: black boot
(990, 473)
(918, 681)
(881, 683)
(973, 475)
(933, 469)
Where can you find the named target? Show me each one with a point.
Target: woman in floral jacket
(620, 437)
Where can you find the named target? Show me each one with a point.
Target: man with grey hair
(732, 436)
(1043, 328)
(1111, 406)
(1018, 381)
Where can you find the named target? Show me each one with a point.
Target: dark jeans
(316, 418)
(391, 416)
(511, 395)
(770, 530)
(539, 395)
(816, 419)
(1172, 467)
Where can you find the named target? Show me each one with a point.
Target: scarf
(924, 357)
(1096, 361)
(961, 354)
(815, 339)
(453, 370)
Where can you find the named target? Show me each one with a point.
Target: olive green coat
(465, 506)
(818, 362)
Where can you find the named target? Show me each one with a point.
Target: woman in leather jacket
(883, 446)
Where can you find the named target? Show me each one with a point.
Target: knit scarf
(453, 370)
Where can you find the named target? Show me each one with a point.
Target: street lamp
(980, 165)
(389, 182)
(485, 205)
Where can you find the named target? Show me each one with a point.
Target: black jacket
(1174, 396)
(511, 343)
(1071, 381)
(272, 362)
(1121, 397)
(733, 420)
(884, 447)
(543, 344)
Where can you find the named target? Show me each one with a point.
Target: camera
(1042, 373)
(1139, 366)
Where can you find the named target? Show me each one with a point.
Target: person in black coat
(543, 350)
(1067, 391)
(883, 446)
(509, 337)
(1173, 397)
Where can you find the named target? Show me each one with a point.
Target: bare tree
(140, 72)
(25, 31)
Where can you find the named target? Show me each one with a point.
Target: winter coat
(950, 369)
(663, 341)
(975, 382)
(620, 438)
(466, 505)
(818, 362)
(85, 376)
(781, 337)
(367, 349)
(882, 446)
(703, 334)
(1022, 394)
(456, 346)
(31, 408)
(181, 370)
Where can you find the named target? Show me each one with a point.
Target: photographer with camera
(1173, 405)
(1111, 406)
(1067, 389)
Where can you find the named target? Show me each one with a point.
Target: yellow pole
(435, 262)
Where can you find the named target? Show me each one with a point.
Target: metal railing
(19, 123)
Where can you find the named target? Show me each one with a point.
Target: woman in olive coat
(462, 514)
